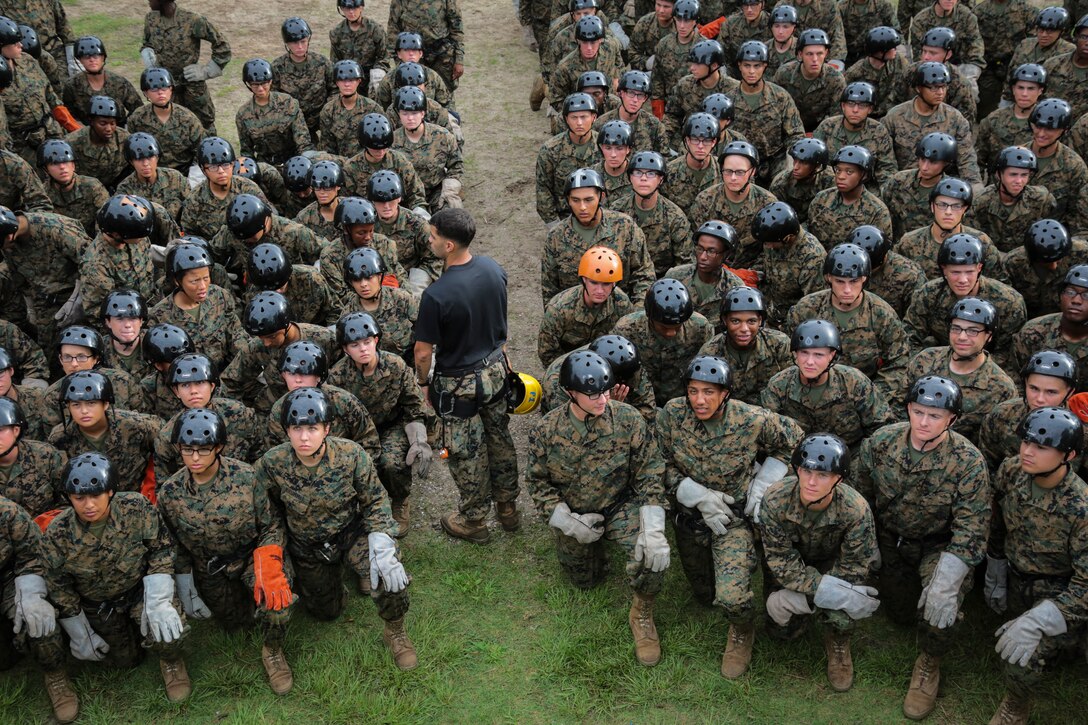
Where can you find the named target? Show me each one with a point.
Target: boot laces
(57, 684)
(838, 646)
(275, 658)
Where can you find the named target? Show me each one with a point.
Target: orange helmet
(601, 264)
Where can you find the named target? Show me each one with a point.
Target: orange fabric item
(1079, 405)
(711, 29)
(390, 281)
(749, 277)
(64, 118)
(270, 589)
(43, 519)
(147, 488)
(658, 107)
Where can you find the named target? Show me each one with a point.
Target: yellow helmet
(523, 393)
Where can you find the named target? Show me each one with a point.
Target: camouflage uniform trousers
(816, 99)
(586, 564)
(320, 587)
(49, 651)
(395, 476)
(718, 567)
(194, 96)
(309, 82)
(178, 137)
(120, 626)
(229, 595)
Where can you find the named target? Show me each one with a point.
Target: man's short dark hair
(456, 225)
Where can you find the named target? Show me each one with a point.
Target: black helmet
(123, 303)
(215, 150)
(960, 248)
(940, 37)
(936, 146)
(11, 413)
(296, 173)
(199, 427)
(184, 257)
(743, 299)
(576, 102)
(384, 185)
(858, 156)
(586, 372)
(589, 28)
(257, 70)
(266, 314)
(720, 106)
(268, 268)
(710, 369)
(409, 74)
(246, 216)
(130, 217)
(974, 309)
(7, 76)
(933, 391)
(363, 263)
(6, 362)
(295, 29)
(753, 50)
(953, 188)
(881, 39)
(88, 385)
(701, 125)
(620, 353)
(576, 5)
(305, 358)
(409, 99)
(56, 151)
(1051, 113)
(719, 230)
(141, 145)
(1077, 276)
(31, 43)
(192, 367)
(635, 80)
(686, 9)
(375, 132)
(707, 52)
(89, 474)
(1052, 363)
(815, 333)
(809, 150)
(356, 326)
(88, 46)
(930, 73)
(847, 260)
(823, 452)
(1029, 73)
(103, 107)
(858, 92)
(408, 41)
(583, 179)
(82, 336)
(326, 175)
(1054, 428)
(1053, 18)
(305, 406)
(668, 302)
(1016, 157)
(813, 36)
(647, 161)
(354, 210)
(784, 14)
(153, 79)
(9, 223)
(347, 70)
(873, 241)
(775, 222)
(9, 31)
(1082, 23)
(1047, 240)
(164, 342)
(592, 79)
(615, 133)
(740, 148)
(349, 4)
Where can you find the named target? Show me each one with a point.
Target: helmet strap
(589, 416)
(14, 445)
(966, 358)
(1047, 474)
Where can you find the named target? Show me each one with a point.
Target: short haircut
(456, 225)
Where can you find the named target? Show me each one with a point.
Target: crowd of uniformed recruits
(830, 323)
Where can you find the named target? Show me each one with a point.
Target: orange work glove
(147, 487)
(749, 277)
(43, 519)
(270, 589)
(65, 119)
(1079, 405)
(390, 281)
(711, 29)
(658, 108)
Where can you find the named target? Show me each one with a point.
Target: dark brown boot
(459, 527)
(1013, 710)
(924, 681)
(176, 679)
(840, 666)
(641, 619)
(402, 515)
(738, 650)
(61, 695)
(279, 672)
(507, 514)
(396, 639)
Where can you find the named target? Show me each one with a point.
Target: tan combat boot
(474, 530)
(402, 515)
(922, 696)
(507, 514)
(176, 679)
(738, 650)
(63, 698)
(1013, 710)
(279, 672)
(537, 94)
(840, 666)
(641, 619)
(396, 639)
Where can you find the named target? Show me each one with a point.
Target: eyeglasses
(1080, 36)
(1071, 293)
(203, 451)
(701, 251)
(220, 167)
(735, 173)
(971, 332)
(636, 95)
(702, 141)
(75, 358)
(950, 206)
(644, 174)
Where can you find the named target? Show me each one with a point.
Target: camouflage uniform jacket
(48, 19)
(564, 79)
(20, 187)
(665, 361)
(670, 63)
(640, 395)
(713, 203)
(1000, 129)
(1076, 138)
(647, 133)
(906, 127)
(77, 95)
(564, 247)
(310, 217)
(858, 17)
(958, 95)
(348, 419)
(242, 377)
(1006, 224)
(47, 258)
(214, 326)
(754, 367)
(927, 316)
(409, 232)
(683, 184)
(706, 297)
(1003, 26)
(666, 228)
(873, 136)
(20, 541)
(203, 213)
(1066, 177)
(358, 168)
(895, 281)
(831, 220)
(920, 246)
(562, 42)
(686, 97)
(798, 194)
(969, 45)
(310, 298)
(105, 162)
(1029, 51)
(434, 88)
(169, 189)
(309, 82)
(888, 81)
(128, 442)
(33, 480)
(1043, 333)
(245, 441)
(81, 202)
(366, 46)
(1064, 80)
(84, 568)
(772, 125)
(34, 402)
(736, 30)
(982, 390)
(29, 102)
(105, 267)
(644, 38)
(815, 99)
(178, 138)
(822, 14)
(907, 201)
(842, 537)
(791, 272)
(568, 323)
(997, 438)
(127, 395)
(300, 244)
(332, 259)
(28, 358)
(435, 157)
(391, 395)
(1039, 286)
(340, 126)
(439, 22)
(273, 132)
(396, 316)
(176, 40)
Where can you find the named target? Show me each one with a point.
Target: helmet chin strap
(590, 416)
(947, 428)
(966, 358)
(1044, 474)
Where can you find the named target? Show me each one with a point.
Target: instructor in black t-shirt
(462, 321)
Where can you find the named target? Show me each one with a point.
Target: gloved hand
(196, 176)
(455, 129)
(857, 601)
(158, 254)
(451, 194)
(630, 10)
(159, 618)
(64, 117)
(72, 310)
(550, 112)
(939, 598)
(147, 55)
(270, 587)
(74, 66)
(1018, 639)
(772, 471)
(384, 564)
(652, 547)
(191, 602)
(617, 30)
(196, 72)
(35, 383)
(31, 607)
(784, 603)
(713, 505)
(584, 528)
(553, 224)
(650, 62)
(420, 454)
(970, 71)
(376, 76)
(422, 213)
(837, 65)
(996, 587)
(312, 154)
(84, 643)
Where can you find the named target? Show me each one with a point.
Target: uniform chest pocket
(297, 504)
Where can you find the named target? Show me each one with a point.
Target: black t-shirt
(463, 313)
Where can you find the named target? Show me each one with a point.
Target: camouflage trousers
(49, 651)
(719, 568)
(1023, 595)
(834, 620)
(229, 596)
(586, 564)
(441, 57)
(196, 98)
(394, 475)
(905, 571)
(991, 84)
(120, 628)
(320, 584)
